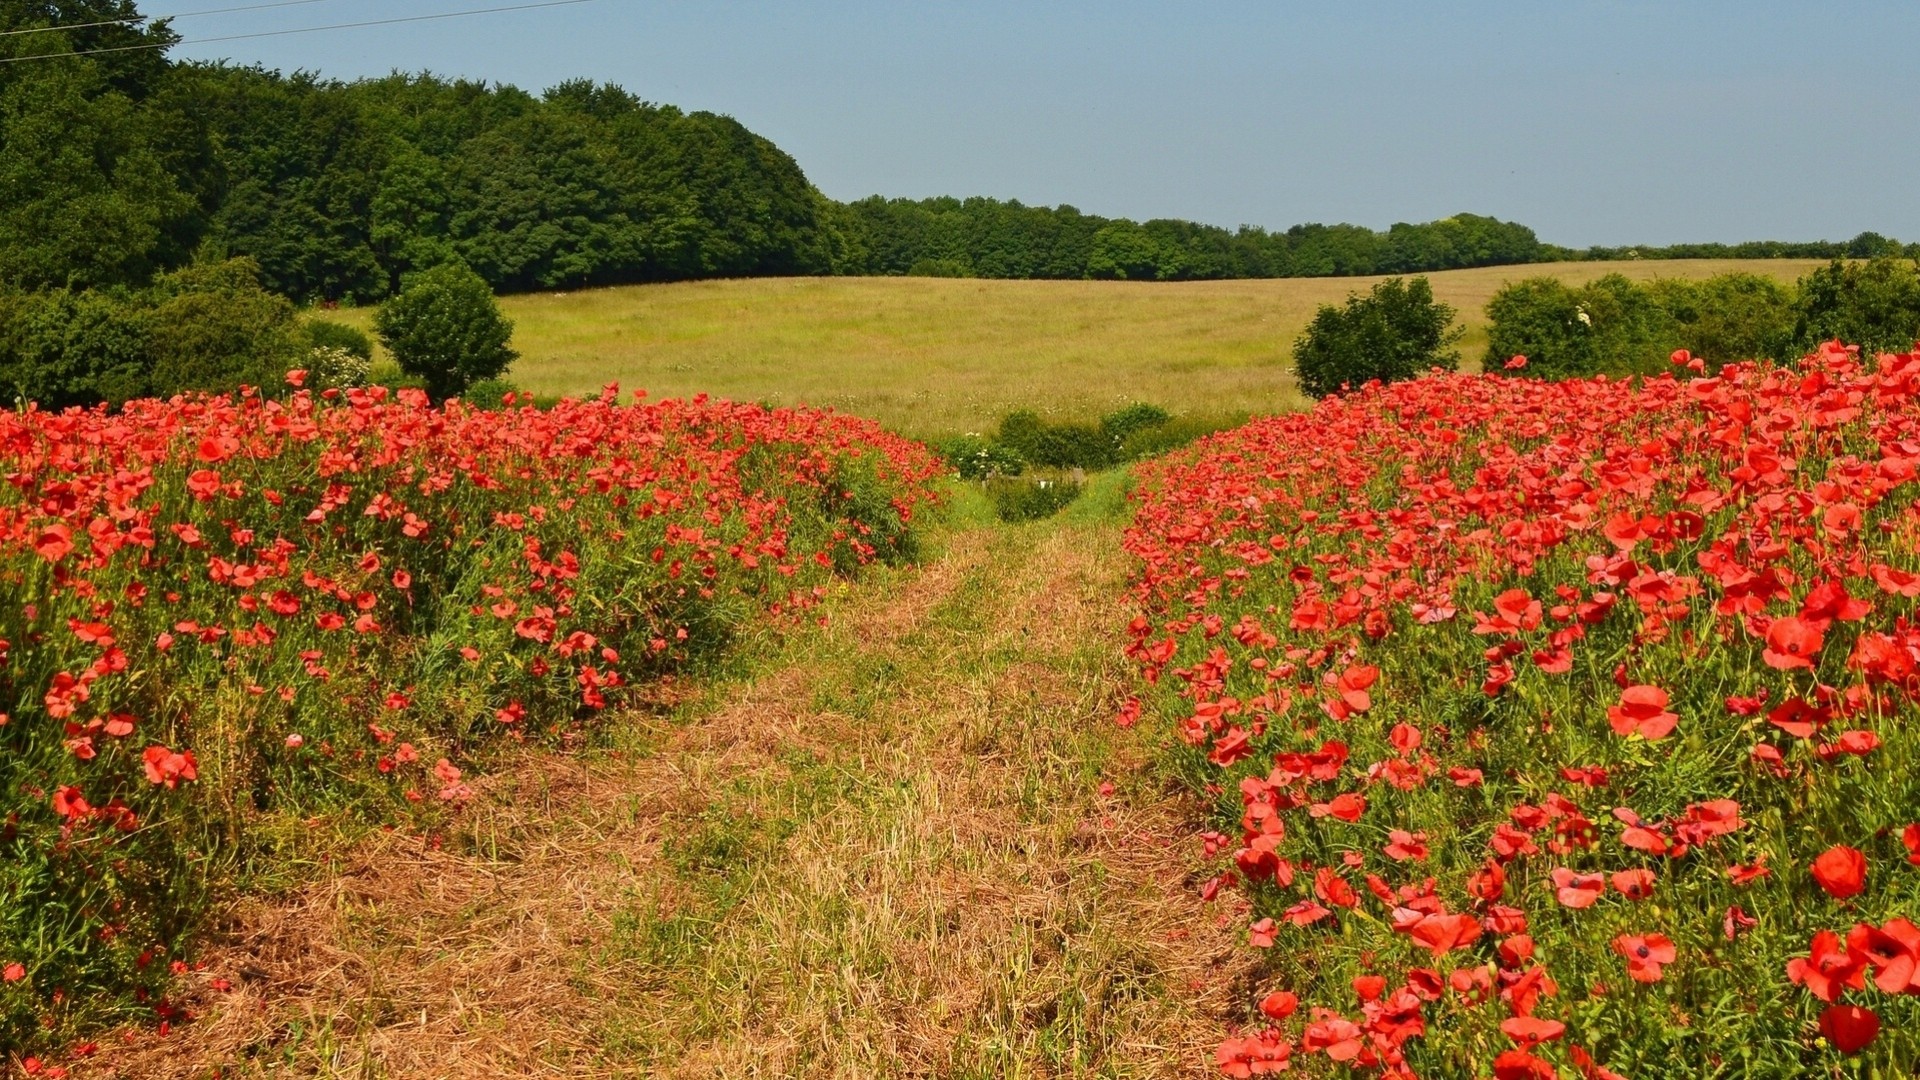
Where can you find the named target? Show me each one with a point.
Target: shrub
(1057, 446)
(1395, 332)
(1120, 423)
(489, 394)
(977, 458)
(214, 328)
(64, 348)
(332, 368)
(327, 334)
(1174, 434)
(1031, 498)
(446, 328)
(1610, 326)
(1728, 317)
(1875, 305)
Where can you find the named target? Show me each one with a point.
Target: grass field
(938, 355)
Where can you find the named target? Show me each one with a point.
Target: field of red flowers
(1557, 729)
(221, 609)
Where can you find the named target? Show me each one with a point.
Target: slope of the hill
(941, 355)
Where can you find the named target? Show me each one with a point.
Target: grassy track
(934, 356)
(885, 853)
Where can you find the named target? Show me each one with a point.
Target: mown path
(885, 852)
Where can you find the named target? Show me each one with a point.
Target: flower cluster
(1550, 722)
(216, 608)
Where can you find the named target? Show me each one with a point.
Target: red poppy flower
(1577, 890)
(1646, 954)
(1792, 642)
(1889, 951)
(1280, 1004)
(1520, 1065)
(1841, 871)
(1642, 711)
(1442, 933)
(1850, 1028)
(1829, 967)
(1530, 1031)
(1636, 884)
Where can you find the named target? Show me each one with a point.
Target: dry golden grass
(932, 356)
(887, 855)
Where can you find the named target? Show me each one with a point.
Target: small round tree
(446, 329)
(1395, 332)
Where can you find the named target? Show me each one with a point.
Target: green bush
(327, 334)
(1057, 446)
(214, 328)
(1875, 305)
(488, 394)
(1610, 326)
(1031, 498)
(1139, 416)
(977, 458)
(446, 328)
(64, 348)
(1395, 332)
(1728, 317)
(208, 327)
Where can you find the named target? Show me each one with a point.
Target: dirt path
(886, 854)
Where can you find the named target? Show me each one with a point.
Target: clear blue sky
(1595, 123)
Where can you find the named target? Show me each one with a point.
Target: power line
(298, 30)
(156, 18)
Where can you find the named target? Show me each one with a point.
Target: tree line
(118, 166)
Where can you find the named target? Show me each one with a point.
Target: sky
(1594, 123)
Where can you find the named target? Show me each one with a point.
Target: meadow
(938, 356)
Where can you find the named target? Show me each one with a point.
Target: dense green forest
(120, 165)
(337, 190)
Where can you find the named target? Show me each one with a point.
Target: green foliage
(1875, 305)
(1056, 445)
(991, 238)
(1139, 416)
(208, 328)
(327, 334)
(1728, 317)
(1031, 498)
(1025, 438)
(1618, 327)
(1148, 442)
(213, 328)
(446, 329)
(63, 348)
(977, 458)
(86, 158)
(489, 394)
(1610, 326)
(1394, 332)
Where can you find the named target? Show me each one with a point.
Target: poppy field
(224, 611)
(1556, 729)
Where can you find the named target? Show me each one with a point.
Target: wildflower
(1841, 871)
(1646, 954)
